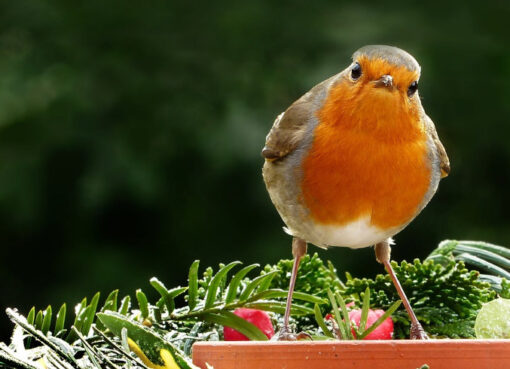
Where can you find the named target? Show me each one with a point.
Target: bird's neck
(386, 116)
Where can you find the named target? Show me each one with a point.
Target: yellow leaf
(166, 356)
(42, 363)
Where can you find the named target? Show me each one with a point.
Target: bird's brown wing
(444, 162)
(287, 132)
(289, 128)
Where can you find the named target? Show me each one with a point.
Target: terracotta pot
(398, 354)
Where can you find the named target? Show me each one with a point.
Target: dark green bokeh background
(130, 134)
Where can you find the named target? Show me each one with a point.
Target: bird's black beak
(385, 81)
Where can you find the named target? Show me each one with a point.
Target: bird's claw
(417, 332)
(286, 334)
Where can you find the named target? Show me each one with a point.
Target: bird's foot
(417, 332)
(286, 334)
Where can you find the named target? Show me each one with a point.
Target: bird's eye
(413, 87)
(356, 71)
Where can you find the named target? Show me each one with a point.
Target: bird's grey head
(391, 54)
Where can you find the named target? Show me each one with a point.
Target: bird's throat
(382, 113)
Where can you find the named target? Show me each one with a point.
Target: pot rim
(446, 341)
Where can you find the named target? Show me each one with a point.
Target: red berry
(258, 318)
(383, 332)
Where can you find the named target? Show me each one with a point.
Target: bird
(353, 161)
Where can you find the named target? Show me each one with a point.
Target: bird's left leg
(298, 251)
(382, 254)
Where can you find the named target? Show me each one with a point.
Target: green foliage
(154, 326)
(148, 340)
(491, 260)
(84, 318)
(314, 277)
(193, 284)
(343, 326)
(215, 295)
(445, 297)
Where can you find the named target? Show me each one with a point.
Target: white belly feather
(357, 234)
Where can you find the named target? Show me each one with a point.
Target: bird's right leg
(382, 254)
(298, 251)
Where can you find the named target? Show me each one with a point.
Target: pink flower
(383, 332)
(258, 318)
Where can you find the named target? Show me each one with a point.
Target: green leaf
(338, 317)
(30, 320)
(39, 320)
(279, 307)
(82, 305)
(215, 283)
(90, 314)
(111, 301)
(125, 305)
(483, 254)
(61, 319)
(256, 282)
(265, 284)
(307, 297)
(345, 314)
(277, 293)
(483, 265)
(445, 248)
(31, 316)
(320, 321)
(79, 309)
(167, 299)
(229, 319)
(81, 313)
(193, 285)
(236, 281)
(146, 339)
(500, 250)
(174, 292)
(143, 304)
(109, 305)
(364, 312)
(381, 319)
(48, 314)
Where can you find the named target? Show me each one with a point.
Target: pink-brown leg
(298, 251)
(382, 254)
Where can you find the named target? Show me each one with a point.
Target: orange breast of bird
(369, 157)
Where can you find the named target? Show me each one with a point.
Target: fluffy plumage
(352, 163)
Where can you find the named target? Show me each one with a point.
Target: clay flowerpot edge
(393, 354)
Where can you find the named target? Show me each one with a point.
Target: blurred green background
(130, 134)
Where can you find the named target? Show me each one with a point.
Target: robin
(354, 160)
